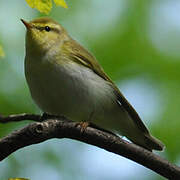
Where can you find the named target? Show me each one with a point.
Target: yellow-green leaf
(61, 3)
(1, 52)
(43, 6)
(30, 3)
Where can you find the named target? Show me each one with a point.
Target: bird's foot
(83, 125)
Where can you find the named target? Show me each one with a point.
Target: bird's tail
(148, 142)
(153, 143)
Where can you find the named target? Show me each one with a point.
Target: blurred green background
(138, 44)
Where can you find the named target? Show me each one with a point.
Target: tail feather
(153, 143)
(145, 140)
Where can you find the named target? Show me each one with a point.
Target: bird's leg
(84, 124)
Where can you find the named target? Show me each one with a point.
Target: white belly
(75, 92)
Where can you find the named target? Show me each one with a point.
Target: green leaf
(61, 3)
(45, 6)
(1, 52)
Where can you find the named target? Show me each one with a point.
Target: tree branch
(62, 128)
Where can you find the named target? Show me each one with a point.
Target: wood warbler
(65, 79)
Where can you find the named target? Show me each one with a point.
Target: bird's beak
(28, 25)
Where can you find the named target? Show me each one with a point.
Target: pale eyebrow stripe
(41, 28)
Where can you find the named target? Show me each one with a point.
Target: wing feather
(83, 57)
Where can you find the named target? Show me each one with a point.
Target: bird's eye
(47, 28)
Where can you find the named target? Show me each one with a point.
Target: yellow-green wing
(83, 57)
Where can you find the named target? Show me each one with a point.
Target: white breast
(70, 89)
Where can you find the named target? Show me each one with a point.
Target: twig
(19, 117)
(60, 128)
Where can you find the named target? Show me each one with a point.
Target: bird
(66, 79)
